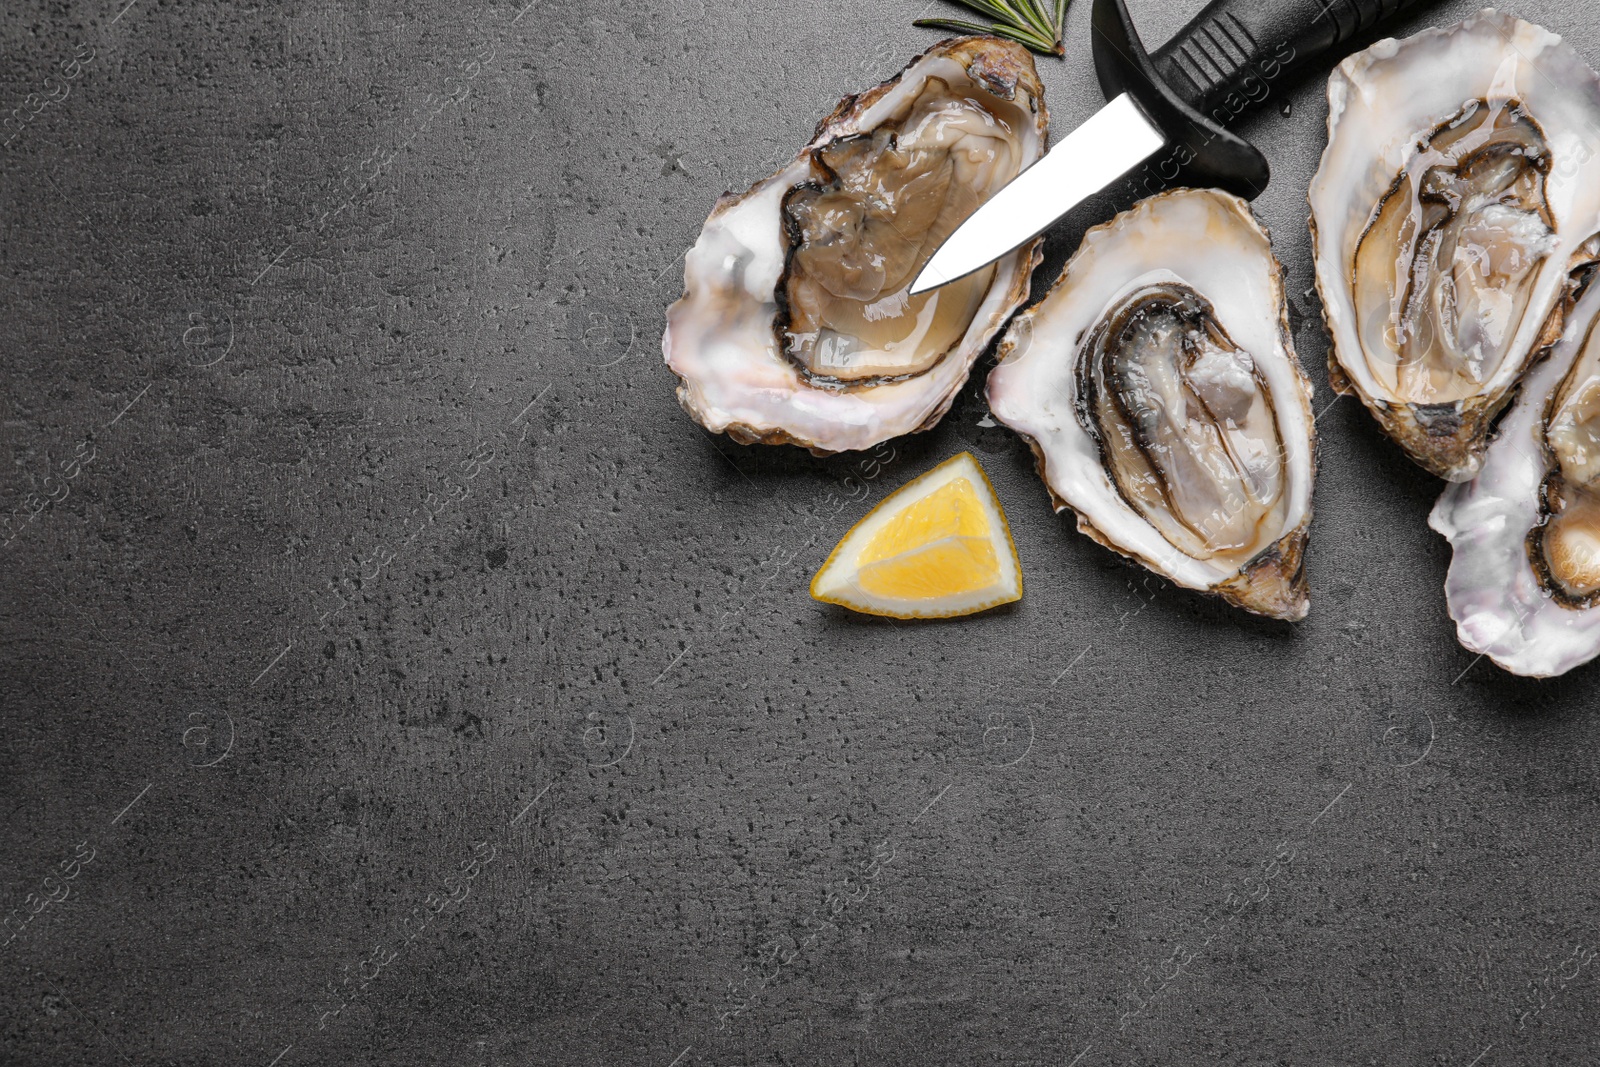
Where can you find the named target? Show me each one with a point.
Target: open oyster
(795, 325)
(1158, 386)
(1524, 581)
(1457, 184)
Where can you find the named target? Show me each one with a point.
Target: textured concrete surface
(393, 675)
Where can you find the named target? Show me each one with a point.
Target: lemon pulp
(937, 546)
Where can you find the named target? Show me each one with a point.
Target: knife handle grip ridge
(1228, 58)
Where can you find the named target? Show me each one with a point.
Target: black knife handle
(1222, 63)
(1226, 59)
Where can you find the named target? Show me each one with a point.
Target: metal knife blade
(1112, 142)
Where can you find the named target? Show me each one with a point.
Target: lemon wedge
(937, 547)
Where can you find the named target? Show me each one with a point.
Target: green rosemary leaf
(1024, 21)
(995, 9)
(1057, 35)
(1035, 19)
(1024, 36)
(1053, 24)
(1021, 36)
(953, 25)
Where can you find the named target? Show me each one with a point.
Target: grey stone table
(394, 675)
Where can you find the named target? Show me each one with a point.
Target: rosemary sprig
(1035, 23)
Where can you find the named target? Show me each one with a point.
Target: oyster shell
(1457, 185)
(1524, 580)
(795, 325)
(1158, 386)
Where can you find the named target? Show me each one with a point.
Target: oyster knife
(1182, 99)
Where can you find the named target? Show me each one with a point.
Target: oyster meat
(1158, 386)
(1457, 187)
(796, 325)
(1524, 580)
